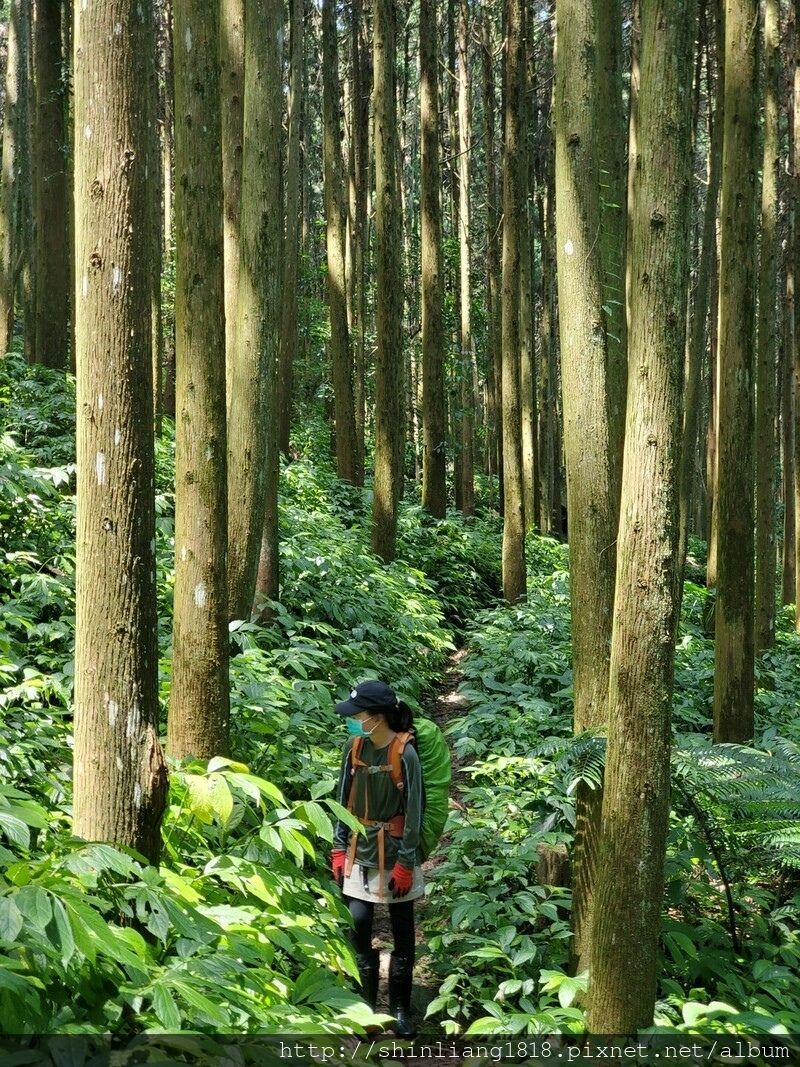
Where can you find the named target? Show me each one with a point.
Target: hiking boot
(368, 973)
(401, 974)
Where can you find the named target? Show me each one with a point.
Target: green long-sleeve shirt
(376, 794)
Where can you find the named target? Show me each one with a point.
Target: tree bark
(698, 324)
(514, 193)
(795, 253)
(593, 474)
(630, 874)
(466, 418)
(231, 89)
(766, 382)
(734, 643)
(339, 344)
(9, 188)
(291, 269)
(53, 247)
(494, 431)
(788, 412)
(120, 772)
(434, 488)
(199, 715)
(361, 169)
(252, 429)
(389, 435)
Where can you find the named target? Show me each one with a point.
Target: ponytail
(400, 718)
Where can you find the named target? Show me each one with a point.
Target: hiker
(381, 865)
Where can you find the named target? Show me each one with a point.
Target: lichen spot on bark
(569, 248)
(117, 435)
(134, 722)
(137, 796)
(87, 132)
(113, 712)
(200, 594)
(116, 278)
(85, 286)
(100, 468)
(188, 39)
(100, 401)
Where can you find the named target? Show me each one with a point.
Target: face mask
(355, 727)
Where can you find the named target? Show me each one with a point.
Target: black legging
(401, 914)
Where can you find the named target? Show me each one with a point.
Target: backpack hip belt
(395, 826)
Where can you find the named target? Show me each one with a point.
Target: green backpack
(437, 774)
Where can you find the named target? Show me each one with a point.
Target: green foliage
(240, 929)
(251, 939)
(461, 560)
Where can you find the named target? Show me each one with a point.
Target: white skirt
(363, 883)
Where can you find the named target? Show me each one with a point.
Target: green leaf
(315, 814)
(217, 763)
(16, 830)
(221, 798)
(11, 919)
(35, 905)
(65, 939)
(165, 1008)
(202, 1004)
(200, 804)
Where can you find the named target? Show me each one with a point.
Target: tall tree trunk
(712, 442)
(795, 355)
(167, 391)
(199, 713)
(434, 488)
(27, 286)
(389, 436)
(50, 170)
(593, 473)
(734, 652)
(614, 219)
(698, 324)
(231, 86)
(630, 878)
(493, 268)
(268, 573)
(361, 167)
(119, 770)
(291, 268)
(9, 188)
(335, 233)
(252, 426)
(156, 226)
(514, 195)
(766, 384)
(467, 352)
(788, 412)
(527, 302)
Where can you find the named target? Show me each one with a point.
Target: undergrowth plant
(730, 926)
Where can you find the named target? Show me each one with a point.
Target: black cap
(369, 696)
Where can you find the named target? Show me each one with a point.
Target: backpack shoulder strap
(355, 761)
(396, 748)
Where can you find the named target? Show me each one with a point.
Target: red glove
(400, 880)
(337, 865)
